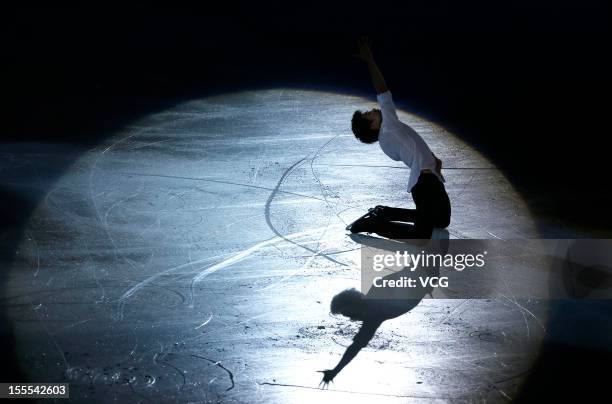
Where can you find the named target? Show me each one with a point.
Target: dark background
(527, 83)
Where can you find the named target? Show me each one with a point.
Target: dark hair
(362, 128)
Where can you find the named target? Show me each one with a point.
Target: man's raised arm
(365, 54)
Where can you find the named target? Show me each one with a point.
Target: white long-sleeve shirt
(400, 142)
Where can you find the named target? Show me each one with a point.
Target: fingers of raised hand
(365, 41)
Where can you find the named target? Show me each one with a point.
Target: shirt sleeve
(387, 107)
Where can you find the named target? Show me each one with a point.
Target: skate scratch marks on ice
(209, 270)
(245, 253)
(220, 182)
(130, 292)
(205, 322)
(218, 363)
(351, 392)
(269, 221)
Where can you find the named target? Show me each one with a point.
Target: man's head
(349, 303)
(366, 125)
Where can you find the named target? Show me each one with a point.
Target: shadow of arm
(361, 340)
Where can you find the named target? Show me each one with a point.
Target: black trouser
(432, 210)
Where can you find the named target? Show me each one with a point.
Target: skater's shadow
(379, 304)
(383, 303)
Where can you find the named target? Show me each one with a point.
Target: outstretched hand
(328, 376)
(365, 49)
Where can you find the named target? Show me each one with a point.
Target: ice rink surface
(192, 257)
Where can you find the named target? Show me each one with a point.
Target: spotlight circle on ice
(188, 250)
